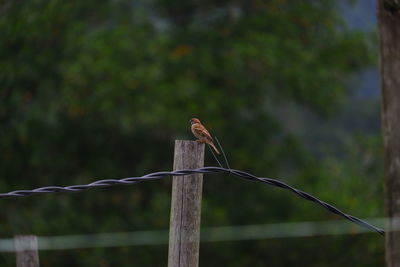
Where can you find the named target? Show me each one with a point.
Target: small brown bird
(201, 133)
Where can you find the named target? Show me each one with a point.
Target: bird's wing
(202, 132)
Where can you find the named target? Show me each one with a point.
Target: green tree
(101, 89)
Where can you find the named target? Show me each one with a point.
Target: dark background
(101, 89)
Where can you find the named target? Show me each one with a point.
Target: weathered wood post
(389, 42)
(184, 234)
(27, 251)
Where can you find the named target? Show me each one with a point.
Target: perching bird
(201, 133)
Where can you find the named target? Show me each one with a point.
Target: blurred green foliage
(100, 89)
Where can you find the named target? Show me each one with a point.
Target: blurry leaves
(101, 89)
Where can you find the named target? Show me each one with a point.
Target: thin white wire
(208, 234)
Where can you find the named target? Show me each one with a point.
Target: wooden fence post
(27, 251)
(184, 235)
(389, 44)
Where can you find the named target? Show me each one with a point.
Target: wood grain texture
(184, 235)
(27, 251)
(389, 62)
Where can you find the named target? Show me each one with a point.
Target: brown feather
(201, 133)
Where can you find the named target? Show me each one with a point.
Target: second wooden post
(26, 247)
(184, 235)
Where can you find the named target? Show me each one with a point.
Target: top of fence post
(27, 251)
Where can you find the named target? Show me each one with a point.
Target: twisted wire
(204, 170)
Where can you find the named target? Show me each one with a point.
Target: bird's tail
(213, 146)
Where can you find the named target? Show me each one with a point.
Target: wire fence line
(204, 170)
(208, 234)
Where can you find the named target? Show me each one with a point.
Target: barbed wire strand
(223, 152)
(204, 170)
(215, 157)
